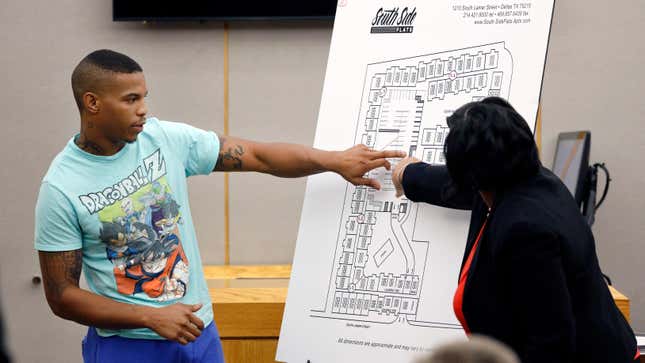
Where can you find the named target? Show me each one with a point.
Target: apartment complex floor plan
(380, 264)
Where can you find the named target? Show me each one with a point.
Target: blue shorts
(115, 349)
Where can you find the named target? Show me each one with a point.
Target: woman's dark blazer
(535, 282)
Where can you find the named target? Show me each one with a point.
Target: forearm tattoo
(230, 157)
(60, 270)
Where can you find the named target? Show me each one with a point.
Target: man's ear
(91, 102)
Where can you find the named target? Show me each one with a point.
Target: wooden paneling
(249, 350)
(621, 301)
(248, 312)
(248, 303)
(247, 272)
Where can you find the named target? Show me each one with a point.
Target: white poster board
(374, 276)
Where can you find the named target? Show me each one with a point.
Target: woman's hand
(397, 173)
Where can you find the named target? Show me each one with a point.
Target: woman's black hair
(490, 146)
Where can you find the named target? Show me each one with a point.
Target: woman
(530, 275)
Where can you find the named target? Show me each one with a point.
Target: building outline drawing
(379, 265)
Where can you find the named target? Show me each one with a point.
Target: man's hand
(353, 163)
(176, 322)
(397, 173)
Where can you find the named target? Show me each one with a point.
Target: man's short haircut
(96, 67)
(489, 146)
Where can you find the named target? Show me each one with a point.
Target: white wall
(277, 73)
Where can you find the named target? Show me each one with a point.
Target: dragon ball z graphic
(142, 241)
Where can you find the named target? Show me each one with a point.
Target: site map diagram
(379, 265)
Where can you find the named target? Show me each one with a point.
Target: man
(115, 200)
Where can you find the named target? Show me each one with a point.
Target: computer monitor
(571, 162)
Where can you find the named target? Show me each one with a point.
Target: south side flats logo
(394, 20)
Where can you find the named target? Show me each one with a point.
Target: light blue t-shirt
(129, 213)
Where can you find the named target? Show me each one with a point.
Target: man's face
(123, 108)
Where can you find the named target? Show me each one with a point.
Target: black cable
(604, 193)
(606, 278)
(590, 209)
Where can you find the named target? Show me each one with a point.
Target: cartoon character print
(142, 241)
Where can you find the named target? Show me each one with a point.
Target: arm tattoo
(231, 156)
(60, 270)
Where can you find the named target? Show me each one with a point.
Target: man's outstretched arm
(61, 272)
(292, 160)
